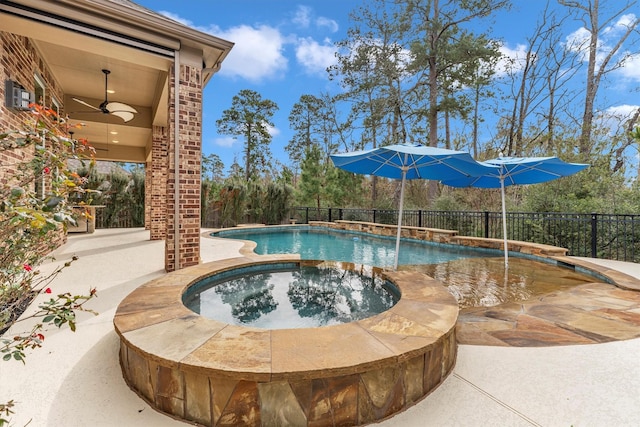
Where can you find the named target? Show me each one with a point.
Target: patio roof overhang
(79, 38)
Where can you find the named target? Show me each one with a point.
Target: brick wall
(20, 61)
(147, 195)
(17, 63)
(157, 200)
(190, 137)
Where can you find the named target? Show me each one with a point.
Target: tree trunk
(592, 88)
(247, 161)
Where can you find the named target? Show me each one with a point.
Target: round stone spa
(216, 373)
(292, 296)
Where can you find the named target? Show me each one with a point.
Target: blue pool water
(360, 248)
(476, 277)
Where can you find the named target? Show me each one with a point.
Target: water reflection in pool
(294, 298)
(483, 282)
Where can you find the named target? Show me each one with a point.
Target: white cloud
(273, 131)
(315, 57)
(622, 24)
(512, 60)
(302, 16)
(615, 118)
(330, 24)
(257, 53)
(579, 41)
(623, 111)
(631, 68)
(225, 141)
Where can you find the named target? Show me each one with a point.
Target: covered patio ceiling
(81, 38)
(139, 81)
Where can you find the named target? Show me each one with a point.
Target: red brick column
(190, 155)
(157, 200)
(147, 195)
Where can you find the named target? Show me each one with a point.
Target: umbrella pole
(504, 225)
(404, 177)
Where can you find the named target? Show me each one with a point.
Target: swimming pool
(361, 248)
(475, 277)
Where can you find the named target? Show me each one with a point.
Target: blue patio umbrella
(410, 162)
(517, 171)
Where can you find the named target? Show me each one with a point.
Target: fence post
(374, 216)
(329, 214)
(594, 235)
(420, 218)
(340, 214)
(306, 216)
(486, 224)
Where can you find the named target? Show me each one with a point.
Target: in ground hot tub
(220, 374)
(290, 295)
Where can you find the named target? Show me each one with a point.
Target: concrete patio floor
(75, 379)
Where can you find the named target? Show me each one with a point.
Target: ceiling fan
(124, 111)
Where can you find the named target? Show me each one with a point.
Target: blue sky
(282, 48)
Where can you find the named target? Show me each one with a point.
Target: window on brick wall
(38, 85)
(55, 106)
(39, 182)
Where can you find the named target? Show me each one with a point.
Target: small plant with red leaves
(35, 188)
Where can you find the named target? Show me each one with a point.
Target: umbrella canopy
(410, 162)
(517, 171)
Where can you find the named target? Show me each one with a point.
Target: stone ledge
(514, 246)
(443, 236)
(409, 232)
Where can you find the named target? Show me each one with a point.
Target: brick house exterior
(156, 65)
(19, 60)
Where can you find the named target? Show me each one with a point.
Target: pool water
(359, 248)
(484, 282)
(476, 278)
(300, 297)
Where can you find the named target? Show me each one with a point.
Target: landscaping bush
(35, 186)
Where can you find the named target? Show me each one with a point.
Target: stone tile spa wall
(216, 374)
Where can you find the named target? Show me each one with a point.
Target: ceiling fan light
(124, 111)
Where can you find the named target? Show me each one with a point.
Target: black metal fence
(606, 236)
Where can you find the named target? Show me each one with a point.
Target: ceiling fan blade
(119, 106)
(85, 104)
(124, 115)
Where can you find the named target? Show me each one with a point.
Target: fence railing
(606, 236)
(122, 218)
